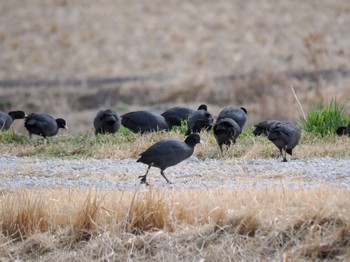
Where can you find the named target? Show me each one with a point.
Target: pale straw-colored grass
(166, 224)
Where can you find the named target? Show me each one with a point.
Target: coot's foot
(143, 180)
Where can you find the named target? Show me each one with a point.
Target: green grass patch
(126, 144)
(78, 145)
(122, 107)
(181, 129)
(10, 137)
(325, 118)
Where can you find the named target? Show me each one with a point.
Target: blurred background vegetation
(71, 58)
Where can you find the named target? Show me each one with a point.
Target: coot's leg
(167, 180)
(220, 145)
(143, 178)
(285, 154)
(281, 152)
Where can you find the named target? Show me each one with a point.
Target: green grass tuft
(181, 129)
(324, 118)
(127, 132)
(9, 137)
(247, 132)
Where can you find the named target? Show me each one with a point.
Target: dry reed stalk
(296, 98)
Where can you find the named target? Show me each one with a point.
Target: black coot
(285, 136)
(238, 114)
(181, 112)
(145, 121)
(200, 120)
(106, 122)
(43, 124)
(166, 153)
(229, 125)
(226, 131)
(262, 127)
(6, 119)
(343, 130)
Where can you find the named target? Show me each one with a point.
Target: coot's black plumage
(343, 130)
(238, 114)
(106, 122)
(179, 111)
(6, 119)
(229, 125)
(43, 124)
(262, 127)
(145, 121)
(200, 120)
(166, 153)
(285, 136)
(226, 131)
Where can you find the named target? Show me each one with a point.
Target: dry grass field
(71, 58)
(168, 225)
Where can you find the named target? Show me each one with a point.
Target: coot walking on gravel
(229, 125)
(285, 136)
(200, 120)
(106, 122)
(343, 130)
(43, 124)
(6, 119)
(166, 153)
(145, 121)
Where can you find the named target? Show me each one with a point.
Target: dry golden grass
(172, 225)
(221, 53)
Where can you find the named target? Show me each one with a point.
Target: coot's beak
(66, 127)
(200, 141)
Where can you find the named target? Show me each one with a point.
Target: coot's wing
(283, 128)
(41, 117)
(166, 153)
(41, 123)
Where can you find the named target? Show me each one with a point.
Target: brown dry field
(70, 58)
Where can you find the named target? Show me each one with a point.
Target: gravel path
(192, 173)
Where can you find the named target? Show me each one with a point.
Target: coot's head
(341, 131)
(17, 114)
(244, 110)
(203, 107)
(259, 131)
(61, 123)
(193, 139)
